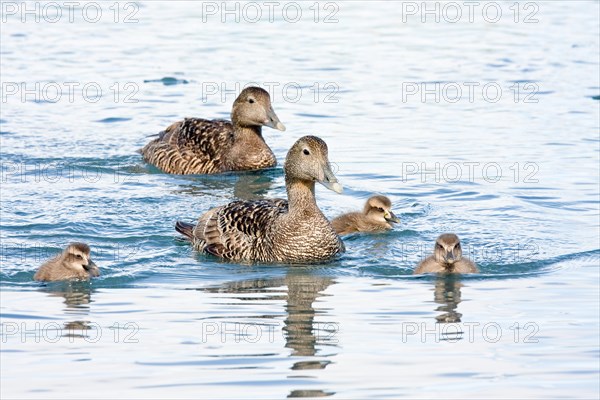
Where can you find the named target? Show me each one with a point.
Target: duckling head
(253, 108)
(308, 161)
(379, 208)
(447, 249)
(77, 257)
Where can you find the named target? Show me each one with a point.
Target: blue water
(516, 177)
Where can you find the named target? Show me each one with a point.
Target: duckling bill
(376, 216)
(73, 263)
(275, 230)
(447, 257)
(200, 146)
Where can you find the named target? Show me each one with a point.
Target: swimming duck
(447, 257)
(275, 229)
(376, 216)
(200, 146)
(73, 263)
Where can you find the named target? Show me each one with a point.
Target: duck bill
(330, 181)
(273, 121)
(92, 268)
(391, 217)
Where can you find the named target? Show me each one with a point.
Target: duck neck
(301, 197)
(248, 134)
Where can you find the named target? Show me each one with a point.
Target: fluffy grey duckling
(200, 146)
(275, 230)
(73, 263)
(447, 257)
(376, 216)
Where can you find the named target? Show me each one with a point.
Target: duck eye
(306, 152)
(79, 256)
(250, 100)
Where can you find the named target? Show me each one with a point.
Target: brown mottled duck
(275, 230)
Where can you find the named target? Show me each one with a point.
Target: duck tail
(185, 229)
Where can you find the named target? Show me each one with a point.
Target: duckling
(275, 230)
(447, 257)
(73, 263)
(376, 216)
(200, 146)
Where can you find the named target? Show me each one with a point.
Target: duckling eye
(306, 152)
(439, 246)
(79, 256)
(457, 246)
(250, 100)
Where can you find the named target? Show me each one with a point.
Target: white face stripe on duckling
(77, 258)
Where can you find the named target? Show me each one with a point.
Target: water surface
(517, 180)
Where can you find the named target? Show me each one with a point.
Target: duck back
(191, 146)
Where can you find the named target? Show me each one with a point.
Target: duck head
(77, 257)
(308, 161)
(379, 209)
(253, 108)
(448, 249)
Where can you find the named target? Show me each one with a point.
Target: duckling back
(348, 223)
(357, 222)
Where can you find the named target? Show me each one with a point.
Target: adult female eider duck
(73, 263)
(275, 230)
(376, 216)
(447, 257)
(200, 146)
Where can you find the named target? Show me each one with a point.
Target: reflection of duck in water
(255, 185)
(303, 290)
(77, 298)
(447, 257)
(447, 293)
(302, 337)
(252, 185)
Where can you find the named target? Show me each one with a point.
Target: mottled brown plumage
(275, 230)
(73, 263)
(376, 216)
(447, 257)
(200, 146)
